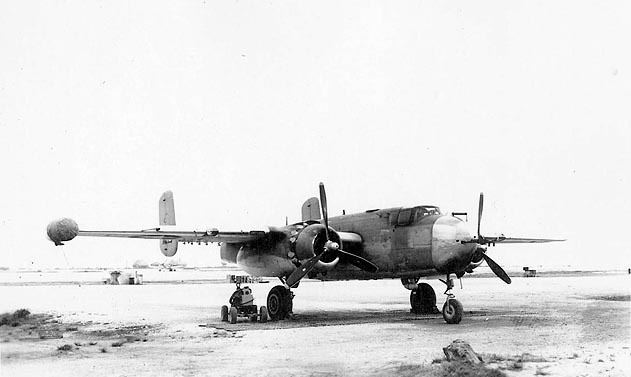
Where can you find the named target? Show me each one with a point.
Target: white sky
(241, 108)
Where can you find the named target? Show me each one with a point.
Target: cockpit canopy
(408, 216)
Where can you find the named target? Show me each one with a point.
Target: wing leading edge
(66, 229)
(206, 236)
(503, 239)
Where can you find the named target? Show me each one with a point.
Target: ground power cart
(241, 305)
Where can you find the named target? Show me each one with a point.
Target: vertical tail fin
(311, 209)
(167, 209)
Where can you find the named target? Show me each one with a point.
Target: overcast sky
(241, 108)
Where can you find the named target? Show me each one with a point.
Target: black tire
(423, 300)
(279, 303)
(263, 313)
(224, 313)
(452, 311)
(233, 315)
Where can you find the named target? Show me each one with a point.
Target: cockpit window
(405, 217)
(427, 211)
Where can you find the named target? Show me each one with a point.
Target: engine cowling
(62, 230)
(311, 241)
(168, 247)
(477, 259)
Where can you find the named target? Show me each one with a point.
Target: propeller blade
(325, 214)
(360, 262)
(303, 270)
(480, 208)
(497, 270)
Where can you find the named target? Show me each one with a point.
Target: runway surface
(568, 326)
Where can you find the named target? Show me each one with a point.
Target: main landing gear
(422, 297)
(423, 300)
(280, 303)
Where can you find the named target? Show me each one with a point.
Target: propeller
(481, 240)
(480, 208)
(299, 273)
(497, 270)
(329, 247)
(325, 211)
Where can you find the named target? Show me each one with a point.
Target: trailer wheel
(233, 315)
(224, 313)
(263, 312)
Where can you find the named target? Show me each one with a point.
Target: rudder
(311, 209)
(166, 212)
(166, 209)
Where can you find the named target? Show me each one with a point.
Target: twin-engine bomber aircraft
(401, 243)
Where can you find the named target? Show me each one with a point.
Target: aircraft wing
(67, 229)
(503, 239)
(211, 235)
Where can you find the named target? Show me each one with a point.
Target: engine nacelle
(311, 241)
(228, 252)
(62, 230)
(168, 247)
(477, 259)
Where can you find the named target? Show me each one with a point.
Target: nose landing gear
(452, 309)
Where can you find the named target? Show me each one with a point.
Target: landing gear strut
(423, 300)
(279, 303)
(452, 309)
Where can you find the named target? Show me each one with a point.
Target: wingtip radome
(62, 230)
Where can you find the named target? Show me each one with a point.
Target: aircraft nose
(463, 232)
(449, 254)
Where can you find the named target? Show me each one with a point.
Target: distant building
(140, 264)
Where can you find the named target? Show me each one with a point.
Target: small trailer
(528, 273)
(241, 305)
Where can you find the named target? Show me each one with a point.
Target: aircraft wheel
(452, 311)
(224, 313)
(279, 303)
(263, 312)
(423, 299)
(233, 315)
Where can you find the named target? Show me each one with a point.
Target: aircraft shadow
(321, 318)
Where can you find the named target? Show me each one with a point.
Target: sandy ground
(559, 326)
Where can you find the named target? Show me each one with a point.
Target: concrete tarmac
(565, 326)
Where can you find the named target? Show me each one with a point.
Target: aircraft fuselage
(402, 242)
